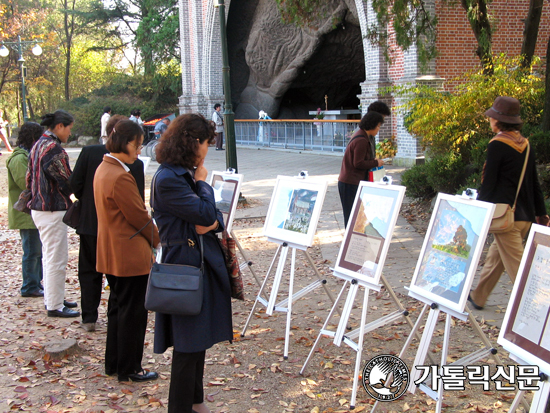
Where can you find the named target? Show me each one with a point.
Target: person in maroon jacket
(360, 156)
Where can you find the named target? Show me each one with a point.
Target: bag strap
(522, 175)
(152, 202)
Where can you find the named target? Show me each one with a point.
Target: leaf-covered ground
(248, 375)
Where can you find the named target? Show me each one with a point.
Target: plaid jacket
(48, 175)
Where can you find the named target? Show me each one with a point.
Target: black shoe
(63, 313)
(70, 304)
(143, 376)
(37, 293)
(477, 307)
(220, 149)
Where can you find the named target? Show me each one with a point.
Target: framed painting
(525, 330)
(294, 210)
(227, 187)
(451, 250)
(368, 234)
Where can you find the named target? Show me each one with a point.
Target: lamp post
(228, 114)
(18, 47)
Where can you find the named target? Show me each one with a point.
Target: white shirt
(119, 161)
(104, 120)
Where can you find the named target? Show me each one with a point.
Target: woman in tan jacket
(124, 252)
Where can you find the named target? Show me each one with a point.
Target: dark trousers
(347, 197)
(186, 381)
(91, 281)
(31, 265)
(219, 140)
(126, 324)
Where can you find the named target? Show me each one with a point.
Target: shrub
(540, 144)
(415, 180)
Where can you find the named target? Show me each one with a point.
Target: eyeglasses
(138, 148)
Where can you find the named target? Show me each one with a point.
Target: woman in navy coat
(184, 208)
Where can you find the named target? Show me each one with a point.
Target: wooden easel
(339, 336)
(427, 336)
(286, 304)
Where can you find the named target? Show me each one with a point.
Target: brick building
(201, 57)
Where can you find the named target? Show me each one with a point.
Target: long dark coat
(179, 204)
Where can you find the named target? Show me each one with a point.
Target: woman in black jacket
(505, 158)
(184, 208)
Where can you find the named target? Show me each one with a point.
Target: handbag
(72, 216)
(503, 217)
(22, 204)
(174, 288)
(228, 245)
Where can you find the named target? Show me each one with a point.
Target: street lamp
(18, 47)
(228, 114)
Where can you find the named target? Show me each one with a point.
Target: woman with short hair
(48, 179)
(359, 158)
(17, 163)
(185, 211)
(125, 233)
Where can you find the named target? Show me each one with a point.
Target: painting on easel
(367, 237)
(451, 250)
(227, 187)
(294, 210)
(525, 330)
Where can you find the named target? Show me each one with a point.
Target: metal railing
(300, 134)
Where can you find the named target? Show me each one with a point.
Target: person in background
(82, 185)
(380, 107)
(217, 118)
(125, 233)
(3, 132)
(136, 117)
(185, 208)
(359, 157)
(31, 266)
(506, 154)
(160, 127)
(104, 120)
(48, 179)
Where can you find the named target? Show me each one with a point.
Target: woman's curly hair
(180, 142)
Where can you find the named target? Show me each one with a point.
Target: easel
(427, 336)
(339, 335)
(285, 305)
(540, 397)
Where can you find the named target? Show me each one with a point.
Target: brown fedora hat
(505, 109)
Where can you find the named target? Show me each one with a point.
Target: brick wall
(457, 45)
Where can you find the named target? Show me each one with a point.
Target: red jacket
(358, 158)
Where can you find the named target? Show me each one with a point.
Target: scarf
(513, 139)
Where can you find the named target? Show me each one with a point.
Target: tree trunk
(531, 32)
(546, 111)
(478, 16)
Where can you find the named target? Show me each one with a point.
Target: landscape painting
(369, 232)
(451, 250)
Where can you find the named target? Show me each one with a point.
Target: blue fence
(317, 135)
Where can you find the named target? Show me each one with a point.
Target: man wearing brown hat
(506, 156)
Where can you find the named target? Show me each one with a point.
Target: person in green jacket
(32, 247)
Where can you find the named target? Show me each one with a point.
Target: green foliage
(540, 144)
(544, 178)
(415, 180)
(122, 95)
(456, 122)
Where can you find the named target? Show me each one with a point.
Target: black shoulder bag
(174, 288)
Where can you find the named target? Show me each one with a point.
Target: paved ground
(260, 168)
